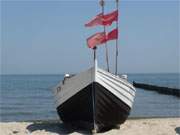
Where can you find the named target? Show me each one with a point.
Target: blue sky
(49, 37)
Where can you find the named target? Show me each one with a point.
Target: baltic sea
(29, 97)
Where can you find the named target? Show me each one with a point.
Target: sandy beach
(154, 126)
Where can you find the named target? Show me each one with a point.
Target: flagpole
(94, 49)
(107, 59)
(117, 5)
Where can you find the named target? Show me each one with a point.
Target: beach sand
(154, 126)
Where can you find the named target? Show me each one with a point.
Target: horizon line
(77, 73)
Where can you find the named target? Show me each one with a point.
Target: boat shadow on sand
(55, 127)
(61, 128)
(177, 129)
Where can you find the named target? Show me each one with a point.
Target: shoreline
(129, 118)
(133, 126)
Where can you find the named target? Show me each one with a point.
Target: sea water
(29, 97)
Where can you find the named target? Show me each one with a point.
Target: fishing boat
(95, 97)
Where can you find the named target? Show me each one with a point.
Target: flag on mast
(96, 39)
(112, 35)
(109, 18)
(101, 37)
(105, 20)
(97, 20)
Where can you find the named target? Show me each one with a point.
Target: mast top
(101, 2)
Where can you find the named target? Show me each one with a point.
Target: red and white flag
(112, 35)
(96, 39)
(101, 37)
(105, 20)
(97, 20)
(110, 17)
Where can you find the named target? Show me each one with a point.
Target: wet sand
(154, 126)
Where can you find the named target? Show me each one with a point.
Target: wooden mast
(117, 5)
(107, 59)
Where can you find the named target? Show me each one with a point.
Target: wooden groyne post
(159, 89)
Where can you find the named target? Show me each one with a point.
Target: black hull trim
(95, 106)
